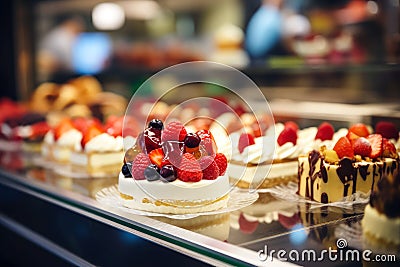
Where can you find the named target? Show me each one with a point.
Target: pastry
(169, 170)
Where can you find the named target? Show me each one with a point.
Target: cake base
(97, 163)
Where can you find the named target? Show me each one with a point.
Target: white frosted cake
(171, 171)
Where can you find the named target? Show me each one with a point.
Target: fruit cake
(170, 170)
(355, 164)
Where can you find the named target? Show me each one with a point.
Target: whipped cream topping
(266, 147)
(105, 143)
(49, 138)
(71, 138)
(24, 131)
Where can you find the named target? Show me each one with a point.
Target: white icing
(24, 131)
(49, 138)
(104, 143)
(70, 138)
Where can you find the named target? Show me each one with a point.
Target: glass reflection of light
(298, 234)
(90, 52)
(108, 16)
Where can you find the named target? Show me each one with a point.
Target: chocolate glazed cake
(326, 182)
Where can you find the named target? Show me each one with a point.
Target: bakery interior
(313, 61)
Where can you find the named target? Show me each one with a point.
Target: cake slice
(353, 165)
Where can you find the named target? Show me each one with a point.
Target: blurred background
(344, 51)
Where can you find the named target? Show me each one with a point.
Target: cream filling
(62, 154)
(381, 226)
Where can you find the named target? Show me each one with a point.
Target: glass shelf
(227, 239)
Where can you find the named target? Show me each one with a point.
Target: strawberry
(174, 131)
(257, 132)
(207, 141)
(39, 129)
(359, 129)
(376, 141)
(209, 167)
(156, 157)
(325, 131)
(344, 148)
(292, 124)
(245, 139)
(114, 126)
(362, 147)
(82, 124)
(389, 149)
(139, 165)
(222, 163)
(352, 137)
(189, 170)
(387, 130)
(64, 126)
(289, 134)
(246, 226)
(93, 131)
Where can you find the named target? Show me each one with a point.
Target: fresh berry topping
(151, 173)
(209, 167)
(359, 129)
(362, 147)
(152, 139)
(63, 127)
(387, 130)
(131, 153)
(189, 169)
(139, 165)
(245, 140)
(114, 126)
(173, 152)
(376, 141)
(140, 142)
(325, 131)
(246, 226)
(352, 137)
(207, 141)
(126, 170)
(174, 131)
(91, 132)
(287, 135)
(168, 173)
(344, 148)
(389, 149)
(39, 130)
(222, 163)
(257, 132)
(156, 124)
(156, 156)
(82, 124)
(292, 124)
(192, 140)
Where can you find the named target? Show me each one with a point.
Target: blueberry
(151, 173)
(126, 170)
(167, 173)
(192, 140)
(156, 124)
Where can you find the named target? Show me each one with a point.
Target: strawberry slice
(39, 129)
(389, 149)
(289, 134)
(359, 129)
(362, 147)
(344, 148)
(156, 157)
(376, 141)
(325, 131)
(114, 126)
(64, 126)
(82, 124)
(245, 140)
(91, 132)
(352, 137)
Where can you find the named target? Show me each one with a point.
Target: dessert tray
(238, 199)
(288, 193)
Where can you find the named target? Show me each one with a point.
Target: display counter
(46, 217)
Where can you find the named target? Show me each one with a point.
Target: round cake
(170, 170)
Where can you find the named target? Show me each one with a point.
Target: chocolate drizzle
(347, 173)
(313, 158)
(363, 169)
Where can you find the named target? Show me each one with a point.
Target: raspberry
(362, 147)
(174, 131)
(189, 170)
(287, 135)
(387, 130)
(292, 124)
(245, 140)
(222, 163)
(325, 131)
(343, 148)
(376, 141)
(139, 165)
(209, 167)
